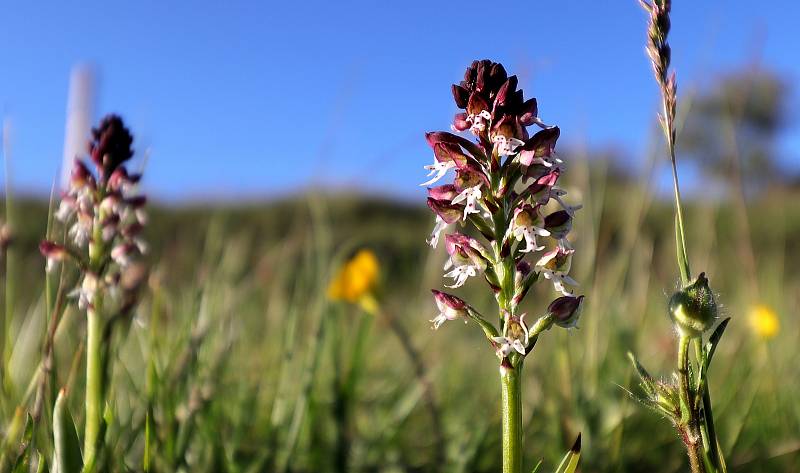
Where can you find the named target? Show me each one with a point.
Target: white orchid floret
(110, 204)
(515, 337)
(122, 254)
(529, 235)
(524, 227)
(555, 266)
(86, 292)
(84, 199)
(506, 146)
(66, 209)
(438, 228)
(549, 161)
(81, 231)
(479, 121)
(460, 274)
(129, 212)
(438, 169)
(465, 259)
(471, 195)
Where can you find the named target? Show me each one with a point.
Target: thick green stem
(511, 407)
(94, 382)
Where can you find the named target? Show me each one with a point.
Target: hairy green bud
(693, 309)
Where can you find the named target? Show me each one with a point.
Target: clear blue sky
(262, 98)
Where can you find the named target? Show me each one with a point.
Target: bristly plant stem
(511, 390)
(689, 423)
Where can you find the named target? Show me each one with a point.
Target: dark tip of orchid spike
(576, 447)
(111, 144)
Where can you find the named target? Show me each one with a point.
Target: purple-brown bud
(566, 311)
(461, 122)
(529, 112)
(450, 308)
(446, 192)
(461, 96)
(111, 144)
(448, 212)
(539, 145)
(558, 224)
(466, 250)
(52, 250)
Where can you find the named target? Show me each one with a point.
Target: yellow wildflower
(764, 321)
(356, 280)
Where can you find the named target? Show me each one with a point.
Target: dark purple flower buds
(558, 224)
(566, 311)
(461, 96)
(111, 144)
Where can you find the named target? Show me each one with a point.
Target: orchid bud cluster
(505, 186)
(103, 213)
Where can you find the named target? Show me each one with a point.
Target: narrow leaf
(67, 445)
(570, 461)
(648, 383)
(711, 346)
(23, 462)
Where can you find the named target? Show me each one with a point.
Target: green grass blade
(570, 461)
(67, 444)
(23, 462)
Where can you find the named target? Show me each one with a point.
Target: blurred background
(279, 138)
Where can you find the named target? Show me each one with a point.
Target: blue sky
(264, 98)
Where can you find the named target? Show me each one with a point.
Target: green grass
(235, 361)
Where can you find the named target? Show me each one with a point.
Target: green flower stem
(511, 407)
(94, 355)
(94, 380)
(689, 424)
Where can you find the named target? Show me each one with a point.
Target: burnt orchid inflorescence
(505, 188)
(104, 217)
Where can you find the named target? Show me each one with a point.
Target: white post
(80, 105)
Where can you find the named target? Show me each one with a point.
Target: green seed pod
(693, 309)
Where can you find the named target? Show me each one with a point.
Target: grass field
(236, 361)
